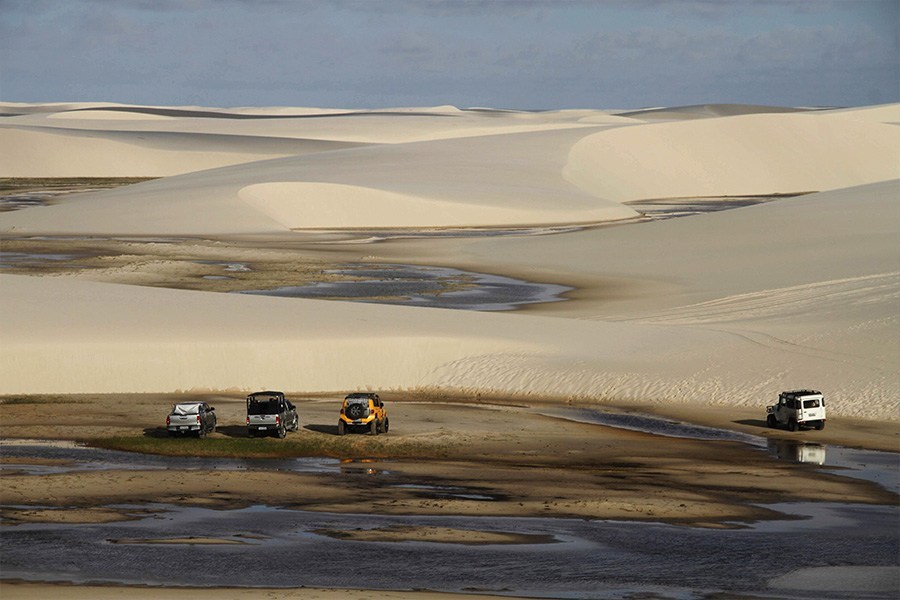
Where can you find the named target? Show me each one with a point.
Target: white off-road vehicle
(799, 408)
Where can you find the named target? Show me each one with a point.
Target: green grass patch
(349, 446)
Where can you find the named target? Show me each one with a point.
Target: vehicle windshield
(262, 407)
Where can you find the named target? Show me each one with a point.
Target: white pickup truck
(191, 417)
(799, 408)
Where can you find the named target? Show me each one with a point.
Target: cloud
(529, 53)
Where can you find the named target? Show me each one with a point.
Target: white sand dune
(802, 241)
(184, 339)
(814, 280)
(563, 174)
(51, 142)
(724, 308)
(500, 180)
(60, 152)
(741, 155)
(117, 338)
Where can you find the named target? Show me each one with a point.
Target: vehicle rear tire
(792, 425)
(373, 427)
(820, 425)
(387, 424)
(342, 428)
(201, 433)
(280, 432)
(770, 421)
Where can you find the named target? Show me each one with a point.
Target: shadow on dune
(179, 112)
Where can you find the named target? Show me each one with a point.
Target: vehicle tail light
(277, 420)
(198, 419)
(168, 421)
(248, 420)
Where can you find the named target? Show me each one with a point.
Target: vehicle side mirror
(211, 408)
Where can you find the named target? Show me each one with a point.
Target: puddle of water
(362, 466)
(597, 559)
(425, 286)
(443, 491)
(227, 266)
(882, 468)
(375, 236)
(149, 240)
(592, 559)
(652, 424)
(82, 458)
(28, 258)
(801, 452)
(20, 201)
(671, 208)
(14, 260)
(33, 198)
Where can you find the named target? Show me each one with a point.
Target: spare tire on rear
(356, 411)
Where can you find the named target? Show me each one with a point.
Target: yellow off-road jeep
(365, 412)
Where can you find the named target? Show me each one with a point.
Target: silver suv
(271, 412)
(799, 408)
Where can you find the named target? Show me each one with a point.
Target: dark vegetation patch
(20, 184)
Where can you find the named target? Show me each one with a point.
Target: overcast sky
(525, 54)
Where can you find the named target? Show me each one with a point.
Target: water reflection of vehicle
(798, 451)
(359, 465)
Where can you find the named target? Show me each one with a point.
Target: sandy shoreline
(504, 460)
(476, 459)
(13, 590)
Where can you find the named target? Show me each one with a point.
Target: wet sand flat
(23, 591)
(439, 458)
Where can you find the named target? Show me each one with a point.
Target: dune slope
(721, 308)
(754, 154)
